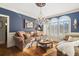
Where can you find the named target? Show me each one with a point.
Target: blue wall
(16, 20)
(73, 16)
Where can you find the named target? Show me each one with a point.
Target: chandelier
(40, 5)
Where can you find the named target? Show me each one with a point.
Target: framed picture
(28, 24)
(75, 24)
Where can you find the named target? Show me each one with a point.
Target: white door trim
(7, 24)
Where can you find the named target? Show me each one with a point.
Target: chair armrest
(19, 42)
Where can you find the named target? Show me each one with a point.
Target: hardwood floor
(9, 51)
(13, 51)
(34, 51)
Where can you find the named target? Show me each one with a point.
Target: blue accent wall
(16, 20)
(73, 16)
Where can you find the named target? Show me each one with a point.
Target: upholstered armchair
(20, 39)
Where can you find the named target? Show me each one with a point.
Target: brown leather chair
(20, 39)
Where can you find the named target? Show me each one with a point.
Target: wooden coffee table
(46, 43)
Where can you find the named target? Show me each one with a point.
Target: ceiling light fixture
(40, 17)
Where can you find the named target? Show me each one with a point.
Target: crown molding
(67, 12)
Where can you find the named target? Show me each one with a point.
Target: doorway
(4, 29)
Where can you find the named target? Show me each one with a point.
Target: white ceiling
(30, 9)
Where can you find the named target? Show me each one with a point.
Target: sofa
(73, 37)
(21, 39)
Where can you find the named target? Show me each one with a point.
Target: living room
(39, 30)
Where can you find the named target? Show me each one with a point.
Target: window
(46, 28)
(64, 23)
(54, 27)
(58, 27)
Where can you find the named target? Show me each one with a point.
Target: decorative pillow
(21, 34)
(66, 37)
(28, 35)
(25, 36)
(70, 38)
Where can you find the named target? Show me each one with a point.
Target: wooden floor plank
(13, 51)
